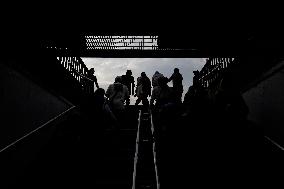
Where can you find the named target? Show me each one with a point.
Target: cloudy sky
(106, 69)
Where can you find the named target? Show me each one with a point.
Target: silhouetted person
(155, 78)
(99, 99)
(162, 93)
(195, 78)
(196, 99)
(143, 89)
(91, 80)
(229, 100)
(231, 111)
(244, 141)
(177, 84)
(128, 81)
(103, 113)
(198, 112)
(118, 96)
(164, 116)
(92, 112)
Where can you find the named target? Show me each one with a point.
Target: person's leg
(179, 97)
(138, 101)
(120, 116)
(145, 103)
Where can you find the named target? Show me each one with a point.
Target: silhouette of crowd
(205, 112)
(209, 120)
(110, 105)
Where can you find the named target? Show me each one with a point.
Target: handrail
(46, 123)
(154, 152)
(274, 143)
(136, 152)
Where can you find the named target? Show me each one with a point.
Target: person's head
(100, 92)
(195, 72)
(92, 71)
(176, 70)
(162, 81)
(143, 74)
(128, 72)
(195, 78)
(118, 86)
(118, 79)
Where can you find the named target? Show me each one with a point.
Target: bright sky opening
(106, 69)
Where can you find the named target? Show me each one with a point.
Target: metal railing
(213, 69)
(76, 67)
(74, 64)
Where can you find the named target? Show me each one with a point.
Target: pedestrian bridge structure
(48, 137)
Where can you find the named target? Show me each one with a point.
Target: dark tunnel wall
(266, 103)
(25, 106)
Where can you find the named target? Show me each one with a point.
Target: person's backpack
(108, 111)
(146, 85)
(123, 80)
(110, 100)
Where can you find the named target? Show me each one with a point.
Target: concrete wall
(266, 103)
(24, 105)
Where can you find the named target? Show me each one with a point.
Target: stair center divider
(145, 174)
(136, 152)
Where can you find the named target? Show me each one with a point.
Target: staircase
(145, 175)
